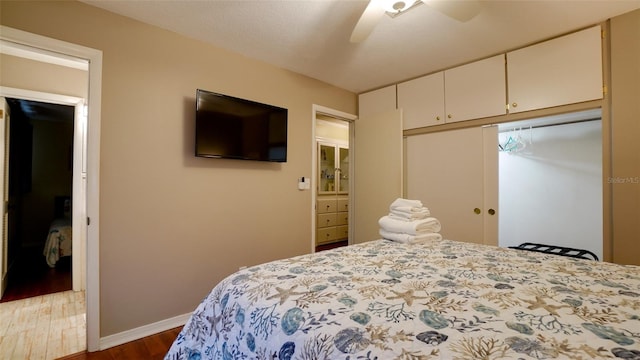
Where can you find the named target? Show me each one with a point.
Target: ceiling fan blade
(461, 10)
(369, 19)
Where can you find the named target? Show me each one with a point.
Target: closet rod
(553, 124)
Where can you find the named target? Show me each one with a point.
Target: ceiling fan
(456, 9)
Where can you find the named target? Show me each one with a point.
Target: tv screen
(233, 128)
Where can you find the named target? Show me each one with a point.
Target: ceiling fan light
(396, 6)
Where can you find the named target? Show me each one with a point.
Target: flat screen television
(232, 128)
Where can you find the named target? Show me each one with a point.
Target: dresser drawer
(342, 232)
(327, 206)
(342, 218)
(325, 220)
(326, 235)
(343, 205)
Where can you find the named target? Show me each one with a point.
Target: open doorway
(40, 199)
(331, 179)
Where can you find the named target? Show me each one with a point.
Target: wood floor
(31, 276)
(43, 327)
(151, 347)
(332, 245)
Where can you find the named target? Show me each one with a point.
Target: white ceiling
(311, 37)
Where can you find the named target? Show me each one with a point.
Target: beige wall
(21, 73)
(625, 133)
(173, 225)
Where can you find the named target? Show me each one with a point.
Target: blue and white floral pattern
(437, 300)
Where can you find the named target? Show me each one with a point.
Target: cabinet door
(342, 175)
(377, 101)
(476, 90)
(326, 168)
(422, 101)
(557, 72)
(446, 171)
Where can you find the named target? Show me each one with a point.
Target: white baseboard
(143, 331)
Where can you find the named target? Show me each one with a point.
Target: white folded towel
(399, 202)
(405, 217)
(415, 227)
(407, 213)
(409, 239)
(408, 209)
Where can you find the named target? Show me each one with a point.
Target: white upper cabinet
(476, 90)
(377, 101)
(471, 91)
(557, 72)
(422, 101)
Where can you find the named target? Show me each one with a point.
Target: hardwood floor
(31, 276)
(43, 327)
(332, 245)
(151, 347)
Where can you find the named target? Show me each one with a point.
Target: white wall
(551, 192)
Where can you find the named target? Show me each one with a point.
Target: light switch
(304, 183)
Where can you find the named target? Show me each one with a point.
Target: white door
(377, 148)
(4, 192)
(446, 171)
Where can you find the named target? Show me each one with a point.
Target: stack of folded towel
(409, 221)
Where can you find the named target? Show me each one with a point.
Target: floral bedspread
(437, 300)
(58, 243)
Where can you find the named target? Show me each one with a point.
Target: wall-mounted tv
(232, 128)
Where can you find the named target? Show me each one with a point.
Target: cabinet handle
(477, 211)
(491, 212)
(514, 105)
(449, 116)
(437, 118)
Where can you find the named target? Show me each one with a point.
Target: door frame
(39, 43)
(338, 115)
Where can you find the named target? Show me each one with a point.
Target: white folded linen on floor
(415, 227)
(409, 239)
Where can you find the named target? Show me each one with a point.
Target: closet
(550, 181)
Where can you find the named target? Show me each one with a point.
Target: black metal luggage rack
(557, 250)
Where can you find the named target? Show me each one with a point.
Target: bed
(435, 300)
(58, 243)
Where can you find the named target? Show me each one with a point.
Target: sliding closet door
(446, 171)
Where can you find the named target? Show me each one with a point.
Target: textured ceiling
(311, 37)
